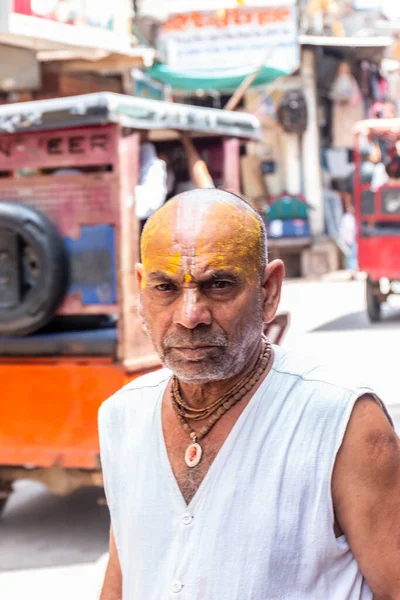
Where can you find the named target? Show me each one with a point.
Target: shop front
(256, 43)
(307, 91)
(351, 86)
(341, 82)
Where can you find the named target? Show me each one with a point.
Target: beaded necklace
(214, 411)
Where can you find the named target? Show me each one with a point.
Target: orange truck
(70, 335)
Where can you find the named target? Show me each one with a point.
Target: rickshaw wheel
(373, 302)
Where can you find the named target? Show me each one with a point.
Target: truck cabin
(69, 234)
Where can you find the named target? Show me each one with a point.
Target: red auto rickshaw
(377, 209)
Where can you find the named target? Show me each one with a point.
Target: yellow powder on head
(157, 248)
(237, 241)
(186, 229)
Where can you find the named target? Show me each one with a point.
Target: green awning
(221, 80)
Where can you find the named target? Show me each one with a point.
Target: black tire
(5, 491)
(33, 269)
(373, 301)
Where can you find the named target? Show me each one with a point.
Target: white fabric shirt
(260, 527)
(348, 229)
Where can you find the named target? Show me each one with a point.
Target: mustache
(194, 337)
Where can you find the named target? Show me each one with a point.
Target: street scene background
(299, 76)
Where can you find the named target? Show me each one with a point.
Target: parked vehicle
(70, 335)
(377, 209)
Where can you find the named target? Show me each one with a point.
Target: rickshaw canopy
(128, 111)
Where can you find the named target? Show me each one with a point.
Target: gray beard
(227, 361)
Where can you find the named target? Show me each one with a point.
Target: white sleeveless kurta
(260, 526)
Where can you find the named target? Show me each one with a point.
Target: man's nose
(192, 309)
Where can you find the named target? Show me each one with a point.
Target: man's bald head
(205, 288)
(198, 217)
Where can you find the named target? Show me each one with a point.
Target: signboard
(233, 38)
(162, 10)
(59, 148)
(44, 24)
(88, 12)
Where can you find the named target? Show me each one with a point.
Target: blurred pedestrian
(170, 175)
(242, 471)
(348, 234)
(151, 191)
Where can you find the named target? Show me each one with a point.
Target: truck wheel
(373, 301)
(33, 269)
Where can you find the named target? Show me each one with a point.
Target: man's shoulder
(326, 389)
(140, 392)
(311, 371)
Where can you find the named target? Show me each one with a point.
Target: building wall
(68, 84)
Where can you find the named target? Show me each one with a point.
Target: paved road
(50, 547)
(328, 321)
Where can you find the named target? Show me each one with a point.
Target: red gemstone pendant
(193, 455)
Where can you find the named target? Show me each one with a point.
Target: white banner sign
(242, 37)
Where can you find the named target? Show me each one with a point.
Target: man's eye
(220, 285)
(165, 287)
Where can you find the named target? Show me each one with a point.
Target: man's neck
(200, 395)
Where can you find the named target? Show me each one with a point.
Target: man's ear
(139, 275)
(274, 275)
(139, 281)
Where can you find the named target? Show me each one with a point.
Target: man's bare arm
(112, 586)
(366, 496)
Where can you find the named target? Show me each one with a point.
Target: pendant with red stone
(193, 454)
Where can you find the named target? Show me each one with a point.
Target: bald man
(240, 471)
